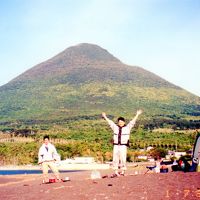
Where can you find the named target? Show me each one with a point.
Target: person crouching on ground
(121, 135)
(46, 157)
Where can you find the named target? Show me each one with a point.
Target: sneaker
(105, 176)
(122, 173)
(45, 182)
(114, 175)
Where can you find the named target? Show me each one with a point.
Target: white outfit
(47, 156)
(120, 141)
(47, 153)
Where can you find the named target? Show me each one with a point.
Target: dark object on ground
(183, 164)
(166, 162)
(149, 168)
(175, 168)
(164, 170)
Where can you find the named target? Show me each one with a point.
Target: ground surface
(133, 186)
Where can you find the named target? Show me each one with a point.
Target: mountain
(85, 63)
(83, 81)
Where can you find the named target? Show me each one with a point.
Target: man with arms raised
(121, 135)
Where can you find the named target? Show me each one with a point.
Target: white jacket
(49, 155)
(125, 134)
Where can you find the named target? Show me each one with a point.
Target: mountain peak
(78, 56)
(88, 52)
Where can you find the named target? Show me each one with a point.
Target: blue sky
(162, 36)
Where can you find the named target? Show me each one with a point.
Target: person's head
(121, 121)
(46, 139)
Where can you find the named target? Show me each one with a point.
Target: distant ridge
(85, 80)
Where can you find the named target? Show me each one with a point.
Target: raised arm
(110, 122)
(139, 112)
(133, 121)
(104, 116)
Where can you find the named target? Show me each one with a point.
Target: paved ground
(150, 186)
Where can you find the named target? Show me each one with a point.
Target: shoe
(105, 176)
(114, 175)
(45, 182)
(122, 174)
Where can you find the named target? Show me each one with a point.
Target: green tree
(158, 152)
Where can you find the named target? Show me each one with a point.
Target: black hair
(121, 119)
(46, 137)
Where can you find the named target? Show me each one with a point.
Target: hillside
(84, 80)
